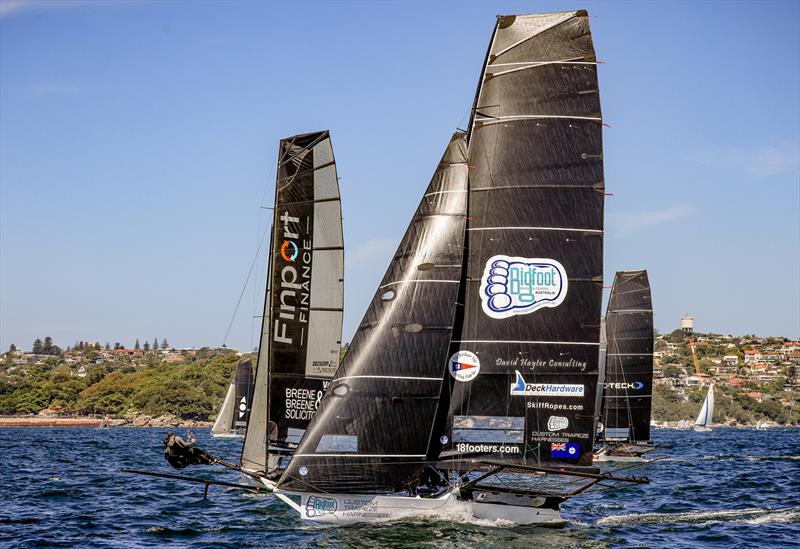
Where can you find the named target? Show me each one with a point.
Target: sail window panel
(322, 357)
(530, 39)
(489, 422)
(326, 184)
(327, 215)
(565, 207)
(323, 153)
(293, 436)
(338, 444)
(488, 435)
(327, 286)
(294, 186)
(617, 433)
(536, 152)
(553, 92)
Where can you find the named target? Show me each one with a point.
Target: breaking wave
(752, 515)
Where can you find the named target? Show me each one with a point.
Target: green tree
(108, 346)
(146, 346)
(136, 346)
(117, 346)
(12, 348)
(155, 344)
(164, 344)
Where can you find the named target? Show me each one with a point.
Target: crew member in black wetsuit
(180, 453)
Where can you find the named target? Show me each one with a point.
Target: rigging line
(241, 294)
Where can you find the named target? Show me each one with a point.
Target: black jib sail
(523, 366)
(628, 387)
(235, 410)
(371, 431)
(302, 326)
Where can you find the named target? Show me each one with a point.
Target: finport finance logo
(464, 366)
(521, 285)
(289, 250)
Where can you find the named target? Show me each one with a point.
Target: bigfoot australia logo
(521, 285)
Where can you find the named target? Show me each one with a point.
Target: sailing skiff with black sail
(302, 322)
(469, 387)
(628, 380)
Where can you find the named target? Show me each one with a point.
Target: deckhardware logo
(521, 285)
(635, 385)
(520, 388)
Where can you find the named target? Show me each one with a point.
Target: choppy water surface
(62, 488)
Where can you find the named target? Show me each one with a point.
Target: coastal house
(752, 356)
(730, 360)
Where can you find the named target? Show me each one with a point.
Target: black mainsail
(302, 322)
(533, 276)
(371, 431)
(628, 386)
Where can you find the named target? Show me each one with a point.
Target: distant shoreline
(94, 422)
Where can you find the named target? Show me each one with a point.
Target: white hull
(617, 459)
(701, 429)
(227, 435)
(357, 508)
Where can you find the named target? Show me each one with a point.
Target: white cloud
(760, 162)
(626, 223)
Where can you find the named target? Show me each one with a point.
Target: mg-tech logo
(633, 385)
(521, 388)
(521, 285)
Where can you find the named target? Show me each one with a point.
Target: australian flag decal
(565, 450)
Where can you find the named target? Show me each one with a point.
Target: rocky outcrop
(139, 419)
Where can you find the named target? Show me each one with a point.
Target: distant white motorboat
(682, 425)
(706, 416)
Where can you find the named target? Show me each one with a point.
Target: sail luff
(255, 446)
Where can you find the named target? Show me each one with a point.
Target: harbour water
(62, 488)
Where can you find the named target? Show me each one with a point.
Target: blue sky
(138, 140)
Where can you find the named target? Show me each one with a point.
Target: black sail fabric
(243, 382)
(628, 387)
(302, 327)
(524, 362)
(371, 432)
